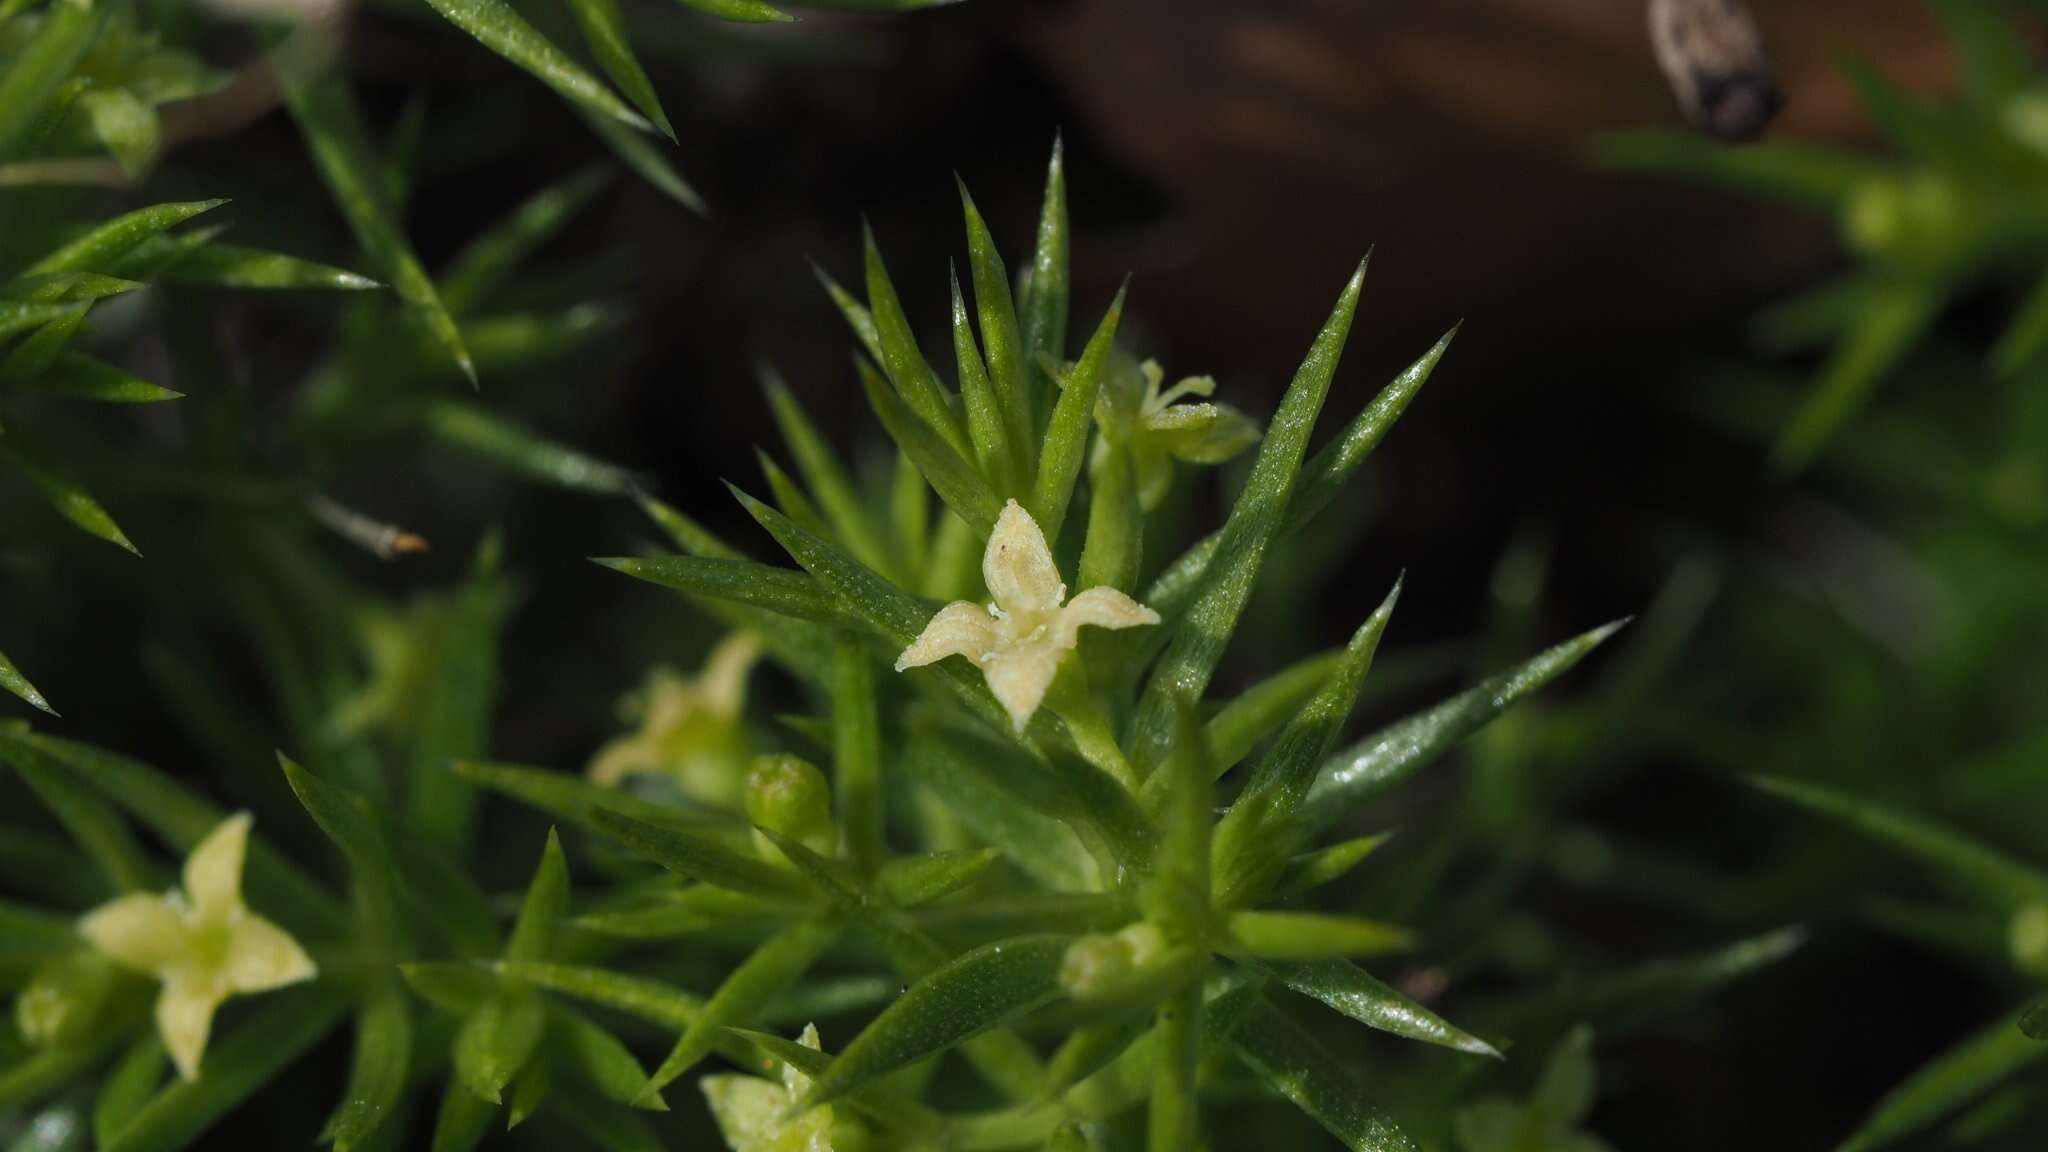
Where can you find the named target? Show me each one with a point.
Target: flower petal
(724, 682)
(184, 1017)
(1020, 676)
(213, 872)
(1018, 566)
(1100, 607)
(958, 629)
(262, 956)
(748, 1109)
(137, 930)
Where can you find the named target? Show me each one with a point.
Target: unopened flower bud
(789, 796)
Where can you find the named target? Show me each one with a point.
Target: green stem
(1175, 1118)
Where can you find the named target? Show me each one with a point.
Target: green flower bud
(2028, 938)
(64, 998)
(789, 796)
(1917, 219)
(1100, 968)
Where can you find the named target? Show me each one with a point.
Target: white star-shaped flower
(202, 942)
(753, 1113)
(1019, 641)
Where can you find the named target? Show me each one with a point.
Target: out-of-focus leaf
(90, 820)
(540, 915)
(333, 128)
(1999, 880)
(249, 1056)
(128, 1088)
(498, 27)
(482, 266)
(1296, 1065)
(598, 1057)
(1406, 746)
(34, 76)
(650, 1000)
(1947, 1082)
(98, 249)
(457, 988)
(463, 1119)
(1313, 936)
(700, 858)
(478, 430)
(1356, 993)
(497, 1040)
(778, 963)
(1312, 870)
(530, 1089)
(740, 11)
(64, 288)
(70, 501)
(1065, 446)
(346, 819)
(234, 266)
(1894, 318)
(20, 317)
(13, 681)
(1820, 176)
(979, 990)
(76, 376)
(779, 590)
(604, 30)
(828, 479)
(645, 158)
(124, 124)
(378, 1069)
(32, 357)
(1183, 671)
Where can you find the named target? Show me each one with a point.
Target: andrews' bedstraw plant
(1958, 203)
(1064, 762)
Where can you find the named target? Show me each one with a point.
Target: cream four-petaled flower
(1019, 641)
(202, 942)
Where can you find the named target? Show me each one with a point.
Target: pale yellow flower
(1019, 641)
(753, 1113)
(202, 942)
(690, 727)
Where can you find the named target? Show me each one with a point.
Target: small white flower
(1019, 641)
(203, 943)
(690, 727)
(753, 1113)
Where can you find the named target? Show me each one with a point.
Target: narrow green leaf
(256, 1051)
(530, 1089)
(1819, 176)
(459, 988)
(951, 475)
(64, 288)
(908, 372)
(980, 990)
(70, 501)
(540, 915)
(1406, 746)
(1197, 645)
(649, 1000)
(483, 265)
(101, 247)
(21, 317)
(1947, 1082)
(478, 430)
(1329, 469)
(857, 755)
(790, 496)
(1313, 936)
(1115, 545)
(346, 819)
(1174, 1116)
(1296, 1065)
(908, 881)
(1065, 447)
(1355, 992)
(128, 1088)
(1897, 313)
(463, 1119)
(897, 615)
(774, 966)
(329, 120)
(703, 860)
(378, 1069)
(828, 479)
(1265, 707)
(1312, 870)
(40, 69)
(90, 821)
(740, 11)
(1998, 880)
(2025, 333)
(497, 1040)
(1178, 898)
(604, 30)
(1048, 287)
(597, 1057)
(32, 357)
(647, 161)
(1250, 852)
(994, 450)
(498, 27)
(76, 376)
(233, 266)
(1002, 339)
(568, 797)
(13, 681)
(856, 313)
(1042, 847)
(780, 590)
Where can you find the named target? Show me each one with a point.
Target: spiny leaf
(1999, 880)
(101, 247)
(1002, 340)
(498, 27)
(994, 449)
(951, 475)
(481, 266)
(1329, 469)
(328, 118)
(282, 1027)
(1356, 993)
(604, 29)
(40, 69)
(774, 966)
(1198, 644)
(378, 1069)
(1048, 287)
(233, 266)
(780, 590)
(1947, 1082)
(1404, 747)
(1296, 1065)
(646, 160)
(908, 372)
(540, 915)
(1265, 707)
(70, 501)
(478, 430)
(13, 681)
(1065, 447)
(703, 860)
(980, 990)
(76, 376)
